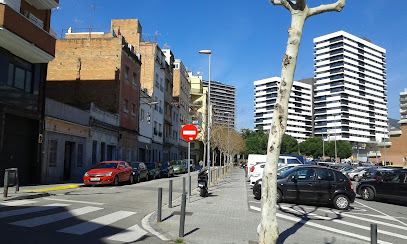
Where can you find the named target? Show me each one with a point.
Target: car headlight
(109, 174)
(86, 174)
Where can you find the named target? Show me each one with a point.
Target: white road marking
(347, 223)
(31, 210)
(334, 230)
(55, 217)
(66, 200)
(131, 234)
(97, 223)
(255, 208)
(112, 187)
(16, 203)
(401, 222)
(255, 201)
(145, 222)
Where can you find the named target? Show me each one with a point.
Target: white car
(259, 168)
(356, 174)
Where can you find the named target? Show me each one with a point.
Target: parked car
(153, 171)
(282, 161)
(109, 172)
(391, 186)
(179, 166)
(166, 169)
(259, 168)
(191, 165)
(356, 174)
(377, 173)
(313, 184)
(140, 171)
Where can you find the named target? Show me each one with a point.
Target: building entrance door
(68, 160)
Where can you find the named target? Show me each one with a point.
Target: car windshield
(107, 166)
(173, 163)
(134, 165)
(150, 166)
(179, 162)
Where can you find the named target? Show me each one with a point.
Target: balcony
(23, 38)
(169, 140)
(44, 4)
(196, 91)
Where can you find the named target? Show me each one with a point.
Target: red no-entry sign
(189, 132)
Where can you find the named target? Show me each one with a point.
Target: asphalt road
(390, 217)
(100, 214)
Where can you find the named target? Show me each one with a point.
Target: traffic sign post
(189, 133)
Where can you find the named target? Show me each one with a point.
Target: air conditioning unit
(131, 47)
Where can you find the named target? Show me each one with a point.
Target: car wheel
(116, 181)
(356, 178)
(341, 202)
(367, 194)
(131, 179)
(279, 196)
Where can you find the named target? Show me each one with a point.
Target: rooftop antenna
(90, 19)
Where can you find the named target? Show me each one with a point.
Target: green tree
(343, 149)
(256, 141)
(312, 147)
(289, 145)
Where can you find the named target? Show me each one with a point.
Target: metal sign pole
(189, 172)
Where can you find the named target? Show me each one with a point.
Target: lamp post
(336, 155)
(228, 137)
(323, 147)
(208, 52)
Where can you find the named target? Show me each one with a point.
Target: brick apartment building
(103, 69)
(27, 44)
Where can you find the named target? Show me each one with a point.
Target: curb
(27, 196)
(54, 188)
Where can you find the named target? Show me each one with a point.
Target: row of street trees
(256, 143)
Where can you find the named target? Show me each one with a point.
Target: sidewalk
(224, 217)
(35, 191)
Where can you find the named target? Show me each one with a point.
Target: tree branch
(338, 6)
(286, 3)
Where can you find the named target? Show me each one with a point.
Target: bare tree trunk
(268, 227)
(269, 184)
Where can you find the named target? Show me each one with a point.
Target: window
(52, 156)
(133, 109)
(134, 79)
(326, 175)
(128, 156)
(142, 114)
(125, 106)
(79, 158)
(20, 75)
(126, 73)
(292, 161)
(94, 151)
(303, 174)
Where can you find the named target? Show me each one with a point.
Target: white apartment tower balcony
(350, 89)
(299, 123)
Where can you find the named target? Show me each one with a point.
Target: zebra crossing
(354, 223)
(77, 219)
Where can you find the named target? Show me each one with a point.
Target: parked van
(254, 159)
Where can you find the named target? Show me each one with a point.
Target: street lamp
(208, 52)
(228, 137)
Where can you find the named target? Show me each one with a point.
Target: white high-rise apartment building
(350, 89)
(403, 104)
(299, 122)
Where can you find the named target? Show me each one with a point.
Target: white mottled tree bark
(268, 227)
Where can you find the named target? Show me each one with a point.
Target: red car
(109, 172)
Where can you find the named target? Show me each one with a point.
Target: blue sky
(248, 37)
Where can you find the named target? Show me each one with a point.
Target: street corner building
(27, 45)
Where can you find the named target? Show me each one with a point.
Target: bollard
(5, 184)
(170, 195)
(189, 193)
(373, 233)
(183, 185)
(182, 217)
(160, 203)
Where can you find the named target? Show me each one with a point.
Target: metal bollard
(170, 195)
(190, 180)
(5, 184)
(373, 233)
(182, 217)
(183, 185)
(160, 203)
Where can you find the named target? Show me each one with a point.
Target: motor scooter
(203, 183)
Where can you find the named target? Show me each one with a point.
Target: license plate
(94, 179)
(201, 184)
